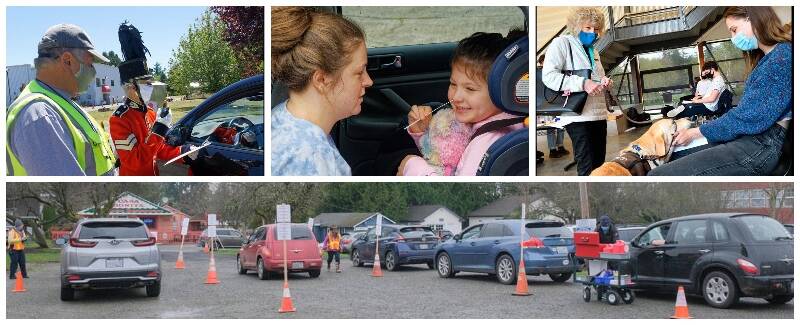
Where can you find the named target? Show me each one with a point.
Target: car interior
(419, 74)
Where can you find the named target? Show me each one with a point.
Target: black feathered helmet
(134, 67)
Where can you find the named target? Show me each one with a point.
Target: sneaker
(676, 111)
(563, 151)
(555, 154)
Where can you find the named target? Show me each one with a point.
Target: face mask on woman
(744, 42)
(587, 38)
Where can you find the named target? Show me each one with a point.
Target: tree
(158, 72)
(203, 56)
(113, 57)
(244, 32)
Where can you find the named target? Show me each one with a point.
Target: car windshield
(548, 229)
(762, 228)
(300, 232)
(112, 230)
(628, 234)
(416, 232)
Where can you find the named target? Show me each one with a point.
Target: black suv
(722, 256)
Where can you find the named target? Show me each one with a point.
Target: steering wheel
(226, 132)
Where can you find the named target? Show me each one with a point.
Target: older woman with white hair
(575, 51)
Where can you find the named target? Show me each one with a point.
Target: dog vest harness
(633, 163)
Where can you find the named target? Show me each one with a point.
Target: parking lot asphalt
(412, 292)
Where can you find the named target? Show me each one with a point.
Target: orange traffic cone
(211, 278)
(179, 263)
(376, 266)
(19, 286)
(522, 281)
(681, 308)
(205, 248)
(286, 302)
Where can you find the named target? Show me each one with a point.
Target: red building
(163, 222)
(771, 199)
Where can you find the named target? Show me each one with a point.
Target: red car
(263, 252)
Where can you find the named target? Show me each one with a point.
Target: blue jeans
(17, 259)
(692, 110)
(748, 155)
(333, 255)
(555, 138)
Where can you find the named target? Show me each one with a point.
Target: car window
(258, 234)
(471, 232)
(628, 234)
(397, 26)
(386, 231)
(417, 232)
(492, 230)
(762, 228)
(223, 232)
(547, 229)
(371, 234)
(239, 123)
(656, 233)
(236, 234)
(113, 230)
(690, 232)
(718, 232)
(299, 232)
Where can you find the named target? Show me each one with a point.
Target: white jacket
(556, 59)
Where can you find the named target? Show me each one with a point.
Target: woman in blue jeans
(747, 140)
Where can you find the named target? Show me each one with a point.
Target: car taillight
(747, 267)
(533, 242)
(152, 274)
(73, 277)
(74, 242)
(145, 242)
(400, 239)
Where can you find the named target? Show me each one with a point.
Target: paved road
(414, 292)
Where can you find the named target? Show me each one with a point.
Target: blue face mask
(744, 42)
(604, 228)
(587, 38)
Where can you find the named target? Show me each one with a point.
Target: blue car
(494, 248)
(398, 245)
(232, 122)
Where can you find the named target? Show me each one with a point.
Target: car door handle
(703, 251)
(472, 244)
(659, 252)
(496, 242)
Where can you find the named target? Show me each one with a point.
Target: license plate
(113, 262)
(297, 265)
(561, 249)
(424, 246)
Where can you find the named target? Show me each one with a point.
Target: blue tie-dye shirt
(301, 148)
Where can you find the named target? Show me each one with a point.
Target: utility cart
(609, 269)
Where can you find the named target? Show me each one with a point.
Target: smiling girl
(469, 96)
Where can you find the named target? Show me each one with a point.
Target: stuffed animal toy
(444, 142)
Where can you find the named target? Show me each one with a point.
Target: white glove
(166, 120)
(189, 147)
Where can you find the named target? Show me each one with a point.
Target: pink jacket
(471, 159)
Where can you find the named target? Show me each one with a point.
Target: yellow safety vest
(86, 133)
(333, 242)
(14, 236)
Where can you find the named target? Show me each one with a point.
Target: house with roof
(507, 207)
(438, 217)
(347, 222)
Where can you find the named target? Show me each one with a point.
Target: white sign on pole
(585, 224)
(378, 225)
(212, 231)
(284, 213)
(212, 219)
(310, 223)
(284, 231)
(184, 226)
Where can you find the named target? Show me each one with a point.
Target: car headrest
(509, 78)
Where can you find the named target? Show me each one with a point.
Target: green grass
(38, 256)
(179, 109)
(226, 251)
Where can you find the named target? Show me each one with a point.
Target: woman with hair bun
(321, 58)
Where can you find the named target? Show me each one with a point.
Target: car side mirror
(61, 241)
(457, 237)
(177, 135)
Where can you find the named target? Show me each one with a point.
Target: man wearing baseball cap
(47, 132)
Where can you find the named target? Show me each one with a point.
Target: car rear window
(762, 228)
(298, 232)
(628, 234)
(223, 232)
(547, 229)
(417, 232)
(112, 230)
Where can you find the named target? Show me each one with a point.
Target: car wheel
(67, 294)
(431, 265)
(239, 265)
(613, 297)
(444, 266)
(154, 289)
(560, 277)
(356, 257)
(627, 296)
(314, 273)
(587, 294)
(719, 290)
(391, 261)
(779, 300)
(505, 270)
(263, 273)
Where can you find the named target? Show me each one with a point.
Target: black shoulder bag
(552, 102)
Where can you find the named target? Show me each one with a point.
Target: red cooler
(587, 244)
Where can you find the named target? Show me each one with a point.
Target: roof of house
(502, 207)
(417, 213)
(132, 205)
(341, 219)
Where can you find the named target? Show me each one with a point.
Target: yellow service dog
(654, 146)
